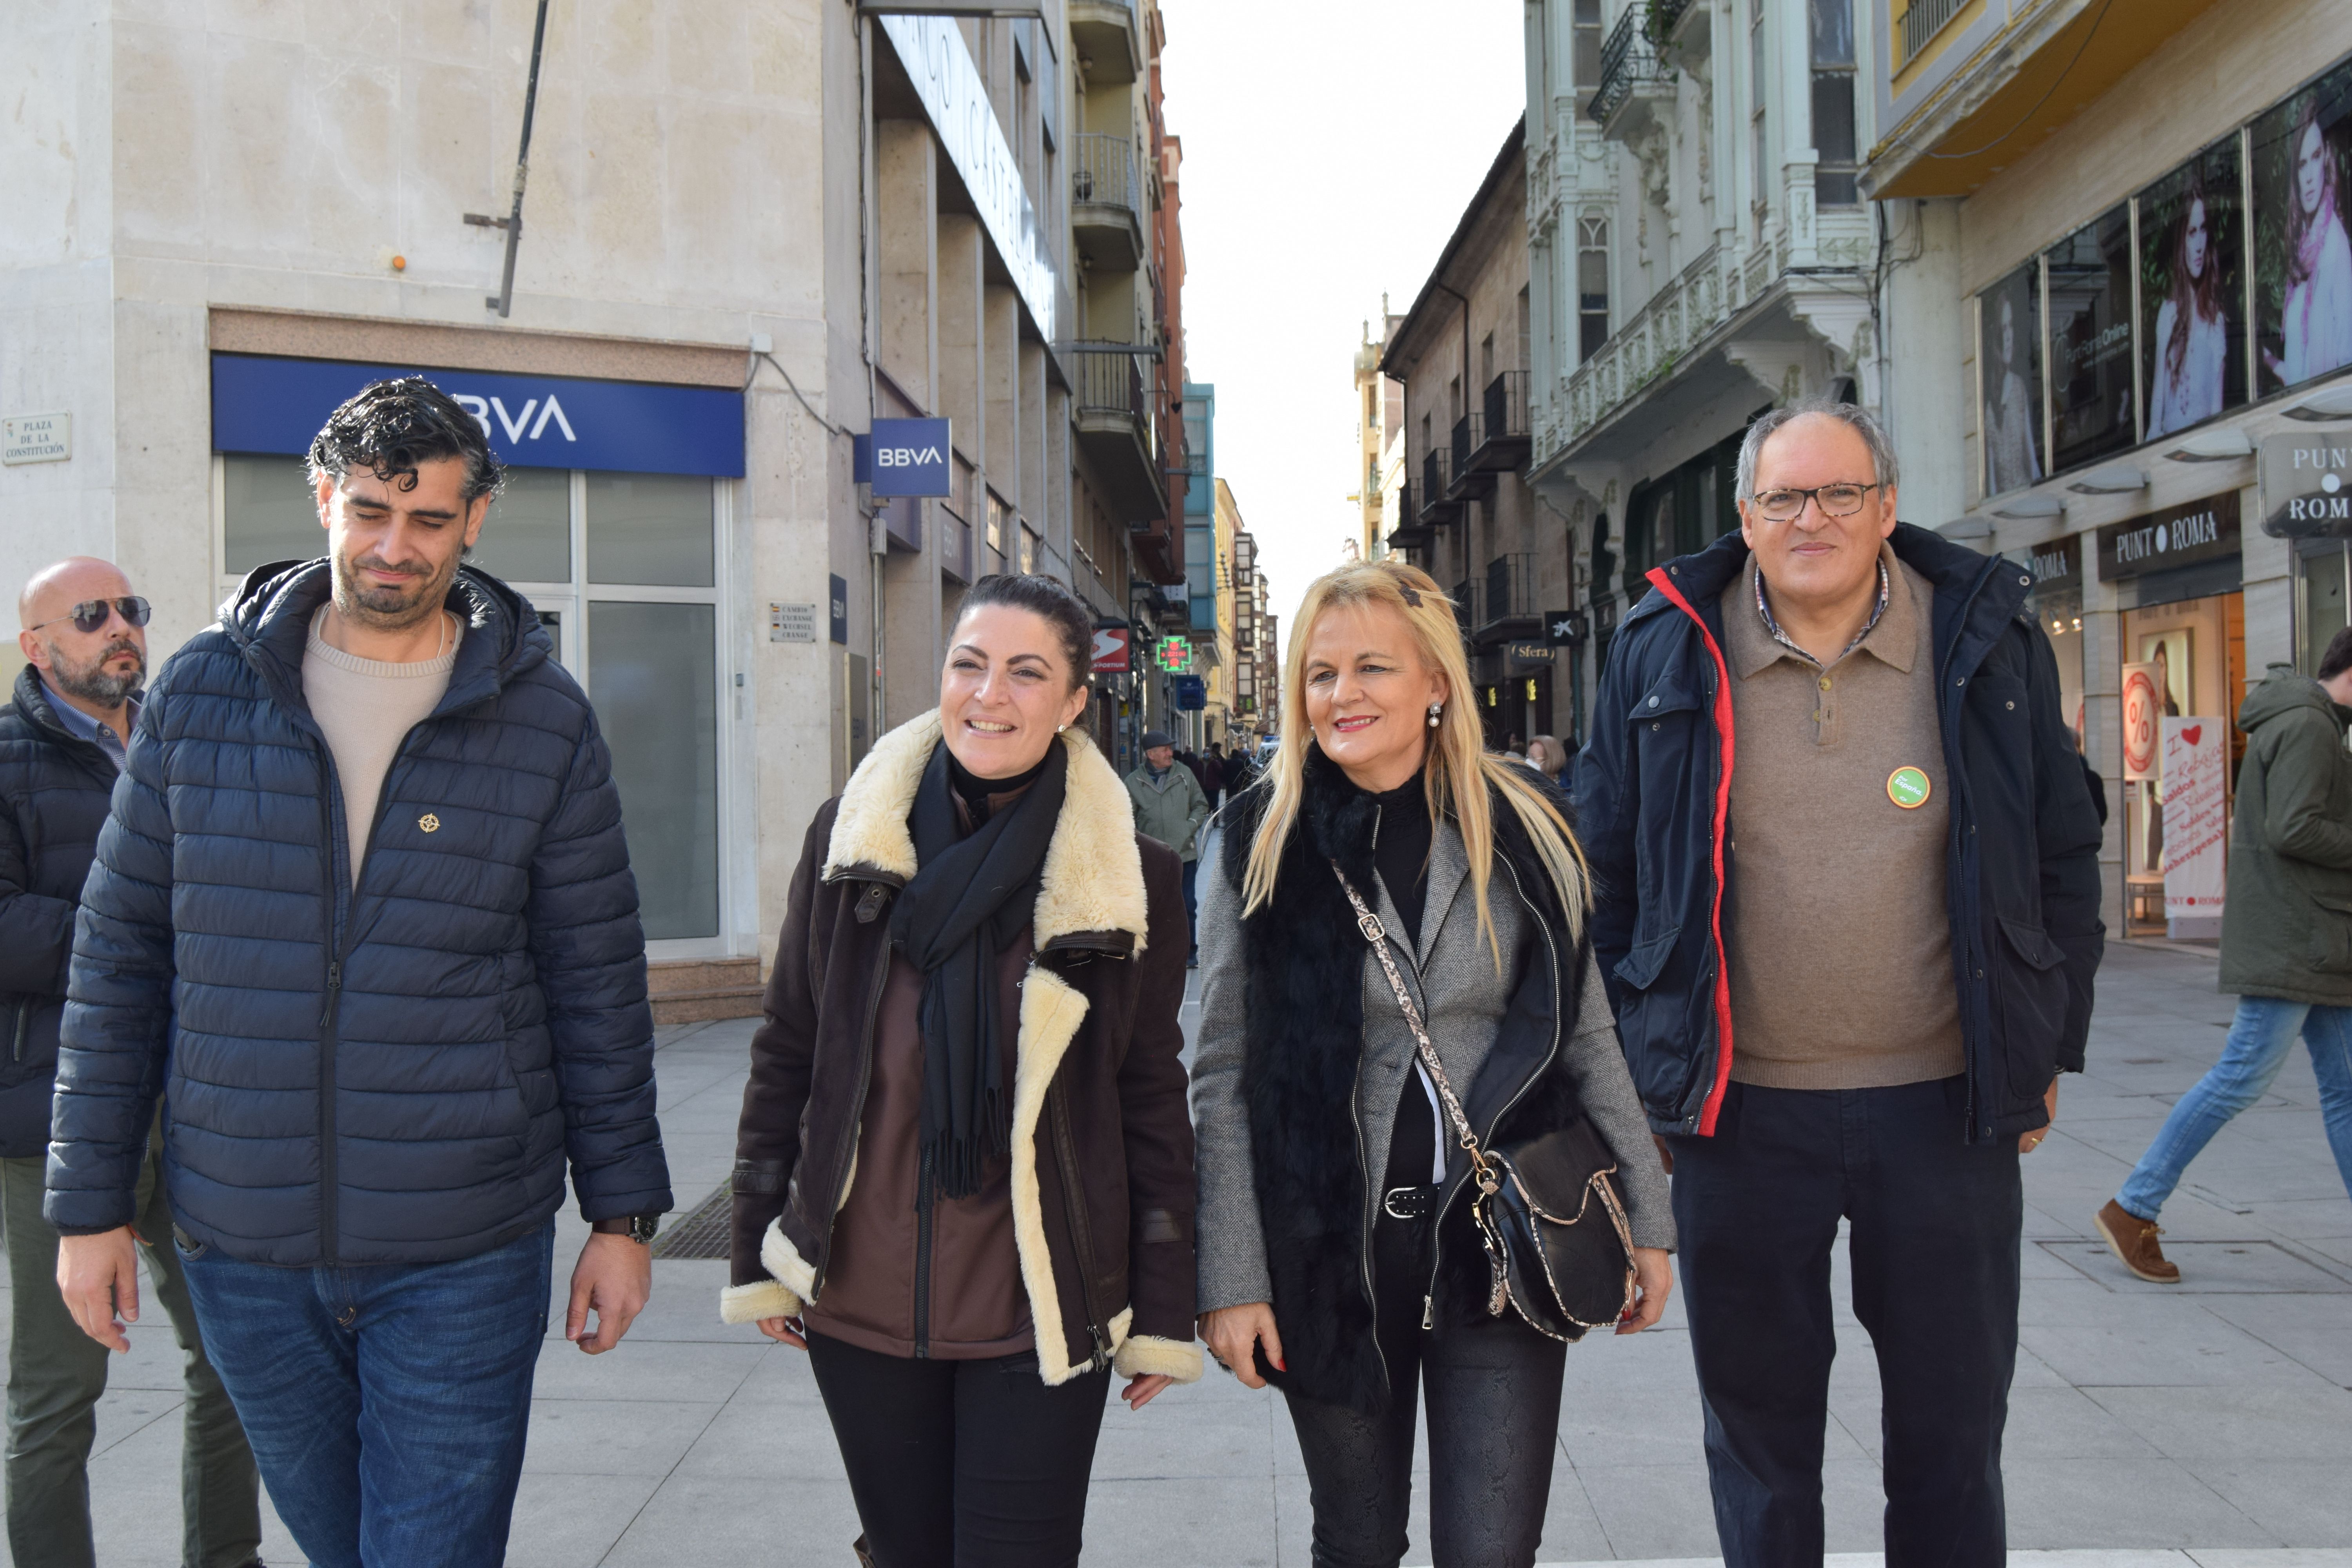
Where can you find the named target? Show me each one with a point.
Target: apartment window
(995, 524)
(1833, 127)
(1486, 361)
(1591, 286)
(1526, 326)
(1586, 31)
(1755, 119)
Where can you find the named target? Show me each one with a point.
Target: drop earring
(1436, 711)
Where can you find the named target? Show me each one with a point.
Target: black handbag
(1548, 1209)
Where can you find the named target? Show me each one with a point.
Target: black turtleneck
(977, 792)
(1401, 851)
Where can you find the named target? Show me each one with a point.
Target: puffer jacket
(53, 792)
(2286, 925)
(393, 1072)
(1102, 1148)
(2021, 886)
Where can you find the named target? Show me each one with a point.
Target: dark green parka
(2286, 927)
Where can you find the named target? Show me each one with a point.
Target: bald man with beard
(61, 745)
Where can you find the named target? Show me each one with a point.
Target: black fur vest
(1305, 963)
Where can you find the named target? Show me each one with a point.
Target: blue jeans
(2260, 1038)
(386, 1404)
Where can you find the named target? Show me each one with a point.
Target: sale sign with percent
(1175, 655)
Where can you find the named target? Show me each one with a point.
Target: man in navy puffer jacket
(364, 915)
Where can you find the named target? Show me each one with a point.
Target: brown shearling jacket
(1102, 1180)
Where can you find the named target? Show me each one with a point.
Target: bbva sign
(904, 457)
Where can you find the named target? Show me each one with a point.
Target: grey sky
(1329, 148)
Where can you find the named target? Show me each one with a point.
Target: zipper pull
(334, 990)
(1428, 1313)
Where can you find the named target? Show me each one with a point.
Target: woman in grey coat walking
(1337, 1255)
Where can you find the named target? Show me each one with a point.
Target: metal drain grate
(704, 1232)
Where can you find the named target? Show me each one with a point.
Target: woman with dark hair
(2192, 341)
(963, 1175)
(1337, 1254)
(2315, 325)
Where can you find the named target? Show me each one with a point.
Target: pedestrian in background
(1886, 893)
(2286, 941)
(61, 746)
(1169, 806)
(973, 1009)
(1548, 755)
(364, 915)
(1338, 1256)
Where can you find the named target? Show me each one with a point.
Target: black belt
(1411, 1202)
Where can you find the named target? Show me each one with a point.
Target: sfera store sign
(2178, 536)
(2307, 483)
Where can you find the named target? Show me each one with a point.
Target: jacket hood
(2284, 691)
(268, 619)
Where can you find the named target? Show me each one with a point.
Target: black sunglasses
(91, 615)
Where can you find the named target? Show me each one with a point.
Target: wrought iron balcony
(1509, 603)
(1436, 505)
(1922, 22)
(1504, 440)
(1105, 202)
(1113, 415)
(1467, 481)
(1630, 72)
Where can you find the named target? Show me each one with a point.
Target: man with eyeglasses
(61, 745)
(1849, 918)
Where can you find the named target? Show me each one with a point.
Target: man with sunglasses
(1849, 919)
(61, 745)
(363, 913)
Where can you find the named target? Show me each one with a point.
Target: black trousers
(1493, 1393)
(962, 1464)
(1936, 1223)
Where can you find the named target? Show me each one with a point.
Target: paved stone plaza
(2185, 1422)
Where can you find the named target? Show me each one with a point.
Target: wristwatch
(638, 1227)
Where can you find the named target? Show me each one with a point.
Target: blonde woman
(1336, 1255)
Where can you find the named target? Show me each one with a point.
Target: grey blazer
(1462, 999)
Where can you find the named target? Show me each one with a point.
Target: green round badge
(1908, 788)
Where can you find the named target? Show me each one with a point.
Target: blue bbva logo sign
(904, 457)
(263, 404)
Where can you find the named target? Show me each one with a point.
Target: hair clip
(1411, 594)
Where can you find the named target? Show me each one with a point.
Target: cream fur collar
(1093, 877)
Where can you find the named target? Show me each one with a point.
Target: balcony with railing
(1505, 439)
(1465, 480)
(1106, 202)
(1465, 603)
(1509, 605)
(1411, 533)
(1633, 80)
(1436, 506)
(1922, 21)
(1111, 410)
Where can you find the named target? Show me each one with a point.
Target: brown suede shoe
(2133, 1241)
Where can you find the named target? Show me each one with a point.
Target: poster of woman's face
(2302, 260)
(2169, 652)
(2192, 292)
(2009, 368)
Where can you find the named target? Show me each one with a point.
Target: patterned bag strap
(1370, 924)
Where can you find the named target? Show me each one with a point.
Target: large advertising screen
(2091, 341)
(2303, 261)
(2009, 359)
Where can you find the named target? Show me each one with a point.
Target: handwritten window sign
(2196, 816)
(36, 439)
(2178, 536)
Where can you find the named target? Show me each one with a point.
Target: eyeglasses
(1835, 500)
(91, 615)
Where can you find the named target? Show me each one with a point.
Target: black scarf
(971, 897)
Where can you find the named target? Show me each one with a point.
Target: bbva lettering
(515, 424)
(908, 456)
